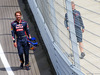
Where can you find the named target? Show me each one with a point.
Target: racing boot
(21, 65)
(27, 68)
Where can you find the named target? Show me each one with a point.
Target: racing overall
(19, 29)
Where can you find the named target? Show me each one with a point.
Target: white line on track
(5, 62)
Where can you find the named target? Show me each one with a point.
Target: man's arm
(81, 22)
(27, 30)
(13, 35)
(66, 21)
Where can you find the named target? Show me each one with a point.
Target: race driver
(18, 29)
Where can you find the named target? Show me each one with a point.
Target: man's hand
(67, 28)
(15, 45)
(82, 30)
(29, 38)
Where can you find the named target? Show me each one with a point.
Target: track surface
(38, 60)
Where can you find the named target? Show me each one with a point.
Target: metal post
(55, 30)
(72, 33)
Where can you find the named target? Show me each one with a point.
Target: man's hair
(72, 2)
(18, 12)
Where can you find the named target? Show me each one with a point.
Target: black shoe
(21, 65)
(82, 55)
(27, 68)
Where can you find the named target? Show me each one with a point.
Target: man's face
(18, 16)
(73, 6)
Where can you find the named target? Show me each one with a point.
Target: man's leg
(26, 52)
(26, 55)
(81, 46)
(20, 52)
(81, 50)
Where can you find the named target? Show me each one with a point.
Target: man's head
(73, 5)
(18, 15)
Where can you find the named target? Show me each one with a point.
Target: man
(79, 27)
(19, 28)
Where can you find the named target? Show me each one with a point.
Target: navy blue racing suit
(19, 29)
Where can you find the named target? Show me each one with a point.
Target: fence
(62, 46)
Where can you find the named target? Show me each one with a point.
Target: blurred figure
(79, 27)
